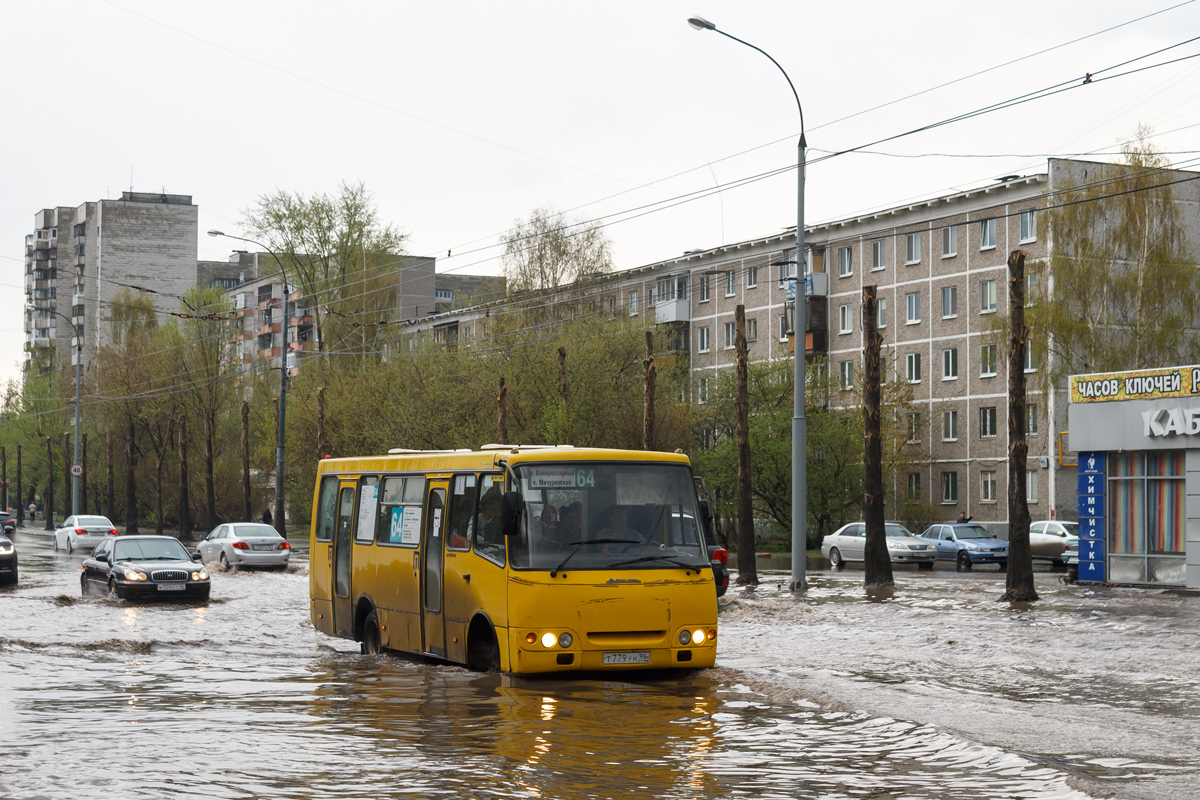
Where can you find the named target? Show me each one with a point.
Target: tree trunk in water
(502, 413)
(1019, 581)
(49, 504)
(20, 502)
(322, 443)
(564, 389)
(131, 522)
(247, 511)
(68, 498)
(185, 517)
(877, 564)
(210, 491)
(110, 497)
(747, 569)
(83, 493)
(648, 400)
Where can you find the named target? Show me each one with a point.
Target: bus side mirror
(510, 514)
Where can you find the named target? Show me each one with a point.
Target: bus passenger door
(343, 614)
(432, 556)
(320, 555)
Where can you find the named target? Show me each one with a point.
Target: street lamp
(283, 382)
(800, 325)
(78, 365)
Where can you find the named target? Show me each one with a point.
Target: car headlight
(134, 575)
(200, 575)
(6, 549)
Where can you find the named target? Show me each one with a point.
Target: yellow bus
(518, 559)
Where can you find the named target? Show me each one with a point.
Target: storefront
(1137, 435)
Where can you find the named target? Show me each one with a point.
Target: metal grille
(169, 575)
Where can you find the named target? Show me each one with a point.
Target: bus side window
(489, 538)
(462, 505)
(327, 508)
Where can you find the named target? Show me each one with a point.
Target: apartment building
(78, 258)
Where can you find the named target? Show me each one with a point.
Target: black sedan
(6, 520)
(8, 560)
(144, 567)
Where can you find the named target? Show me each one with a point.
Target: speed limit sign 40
(76, 470)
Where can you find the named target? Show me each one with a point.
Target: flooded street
(938, 693)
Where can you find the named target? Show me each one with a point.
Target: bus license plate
(639, 657)
(171, 587)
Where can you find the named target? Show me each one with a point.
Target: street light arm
(274, 255)
(792, 86)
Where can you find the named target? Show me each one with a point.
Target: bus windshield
(624, 515)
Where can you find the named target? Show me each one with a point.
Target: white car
(1049, 539)
(848, 543)
(82, 531)
(245, 544)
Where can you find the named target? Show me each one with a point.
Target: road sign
(76, 470)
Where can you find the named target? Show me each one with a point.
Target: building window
(702, 390)
(949, 241)
(912, 305)
(845, 319)
(1030, 356)
(633, 303)
(950, 426)
(881, 316)
(703, 337)
(1031, 494)
(787, 270)
(730, 283)
(751, 277)
(846, 374)
(883, 369)
(912, 367)
(845, 265)
(1028, 232)
(950, 487)
(1031, 288)
(730, 335)
(612, 304)
(914, 426)
(878, 260)
(987, 422)
(949, 302)
(950, 364)
(987, 486)
(752, 330)
(914, 486)
(987, 297)
(987, 361)
(1031, 419)
(912, 248)
(704, 289)
(987, 234)
(785, 324)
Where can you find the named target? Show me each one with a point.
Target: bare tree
(548, 250)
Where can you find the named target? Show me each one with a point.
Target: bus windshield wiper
(672, 559)
(576, 545)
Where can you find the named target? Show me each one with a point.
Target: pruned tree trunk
(650, 378)
(131, 517)
(877, 564)
(49, 504)
(110, 497)
(502, 412)
(68, 499)
(4, 475)
(185, 516)
(247, 510)
(564, 390)
(210, 490)
(83, 479)
(20, 500)
(322, 442)
(159, 457)
(747, 569)
(1019, 581)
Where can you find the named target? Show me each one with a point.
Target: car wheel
(56, 543)
(835, 559)
(225, 563)
(1004, 566)
(371, 645)
(112, 588)
(70, 546)
(924, 565)
(964, 561)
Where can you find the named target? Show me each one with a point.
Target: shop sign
(1169, 421)
(1091, 517)
(1147, 384)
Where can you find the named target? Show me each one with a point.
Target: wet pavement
(939, 692)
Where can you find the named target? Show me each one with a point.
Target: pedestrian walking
(32, 511)
(266, 517)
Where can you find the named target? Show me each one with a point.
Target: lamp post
(78, 365)
(283, 382)
(799, 581)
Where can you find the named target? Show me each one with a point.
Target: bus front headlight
(548, 639)
(685, 636)
(697, 636)
(564, 640)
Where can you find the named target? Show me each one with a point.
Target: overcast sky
(461, 117)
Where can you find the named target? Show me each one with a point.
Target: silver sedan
(1049, 539)
(848, 543)
(245, 544)
(82, 532)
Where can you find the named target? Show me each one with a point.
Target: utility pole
(131, 521)
(110, 498)
(49, 504)
(20, 500)
(4, 474)
(83, 479)
(876, 561)
(185, 516)
(747, 568)
(247, 511)
(650, 377)
(502, 412)
(67, 479)
(322, 443)
(1019, 580)
(564, 390)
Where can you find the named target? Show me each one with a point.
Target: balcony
(304, 319)
(263, 330)
(270, 352)
(672, 309)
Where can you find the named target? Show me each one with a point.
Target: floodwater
(829, 696)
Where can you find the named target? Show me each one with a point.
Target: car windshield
(971, 532)
(150, 550)
(257, 530)
(608, 516)
(895, 531)
(93, 522)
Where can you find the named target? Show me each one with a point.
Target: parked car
(8, 560)
(82, 531)
(718, 556)
(245, 544)
(144, 567)
(848, 543)
(967, 544)
(7, 523)
(1048, 540)
(1071, 559)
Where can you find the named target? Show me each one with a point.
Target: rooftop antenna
(131, 178)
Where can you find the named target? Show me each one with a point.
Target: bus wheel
(372, 645)
(483, 652)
